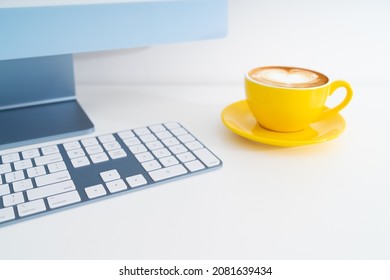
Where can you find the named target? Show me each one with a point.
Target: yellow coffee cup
(288, 99)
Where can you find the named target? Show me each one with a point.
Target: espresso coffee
(289, 77)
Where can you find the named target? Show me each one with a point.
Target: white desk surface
(325, 201)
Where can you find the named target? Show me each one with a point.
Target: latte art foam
(288, 77)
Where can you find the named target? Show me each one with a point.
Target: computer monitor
(37, 39)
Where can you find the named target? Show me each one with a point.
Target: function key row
(53, 149)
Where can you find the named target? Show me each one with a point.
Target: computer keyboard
(42, 180)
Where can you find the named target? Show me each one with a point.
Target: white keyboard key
(57, 166)
(194, 145)
(154, 145)
(138, 149)
(14, 176)
(100, 157)
(43, 160)
(89, 142)
(141, 131)
(111, 146)
(170, 141)
(126, 134)
(5, 168)
(136, 180)
(148, 138)
(36, 171)
(163, 135)
(186, 138)
(75, 153)
(110, 175)
(171, 125)
(207, 157)
(50, 150)
(120, 153)
(169, 161)
(31, 207)
(30, 153)
(106, 138)
(160, 153)
(116, 186)
(178, 149)
(13, 199)
(49, 190)
(131, 141)
(157, 128)
(63, 199)
(142, 157)
(186, 157)
(4, 189)
(10, 157)
(22, 185)
(80, 162)
(95, 191)
(168, 172)
(52, 178)
(23, 164)
(72, 145)
(95, 149)
(179, 131)
(7, 214)
(194, 165)
(151, 165)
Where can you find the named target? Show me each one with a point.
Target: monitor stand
(38, 101)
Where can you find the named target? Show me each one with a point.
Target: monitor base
(29, 125)
(38, 101)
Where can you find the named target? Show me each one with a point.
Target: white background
(344, 39)
(325, 201)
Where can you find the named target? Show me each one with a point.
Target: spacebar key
(166, 173)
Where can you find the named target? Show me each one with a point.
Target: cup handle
(333, 87)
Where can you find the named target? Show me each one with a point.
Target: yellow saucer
(239, 119)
